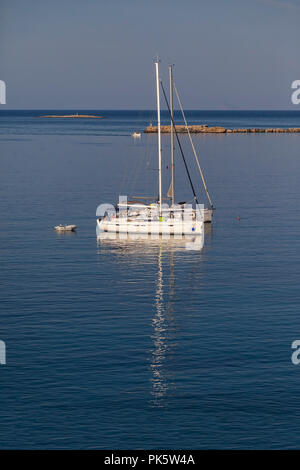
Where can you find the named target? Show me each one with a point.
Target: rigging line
(179, 144)
(194, 150)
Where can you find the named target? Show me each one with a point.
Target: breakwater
(204, 129)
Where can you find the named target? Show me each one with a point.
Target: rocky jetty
(89, 116)
(204, 129)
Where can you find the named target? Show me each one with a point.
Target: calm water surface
(148, 345)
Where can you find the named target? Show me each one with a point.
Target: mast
(159, 138)
(172, 187)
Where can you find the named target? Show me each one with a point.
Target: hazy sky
(99, 53)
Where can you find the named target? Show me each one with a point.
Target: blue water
(135, 345)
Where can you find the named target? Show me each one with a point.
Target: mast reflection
(164, 332)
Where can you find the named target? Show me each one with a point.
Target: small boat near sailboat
(136, 135)
(208, 215)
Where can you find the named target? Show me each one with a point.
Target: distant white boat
(136, 135)
(65, 228)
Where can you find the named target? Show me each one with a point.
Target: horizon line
(148, 109)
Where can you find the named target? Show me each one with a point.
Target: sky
(98, 54)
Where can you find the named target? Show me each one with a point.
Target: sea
(136, 344)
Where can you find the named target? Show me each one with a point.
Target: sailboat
(156, 217)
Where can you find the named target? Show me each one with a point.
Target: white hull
(65, 228)
(154, 227)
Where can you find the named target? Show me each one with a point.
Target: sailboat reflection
(165, 323)
(165, 333)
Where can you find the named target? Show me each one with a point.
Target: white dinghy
(65, 228)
